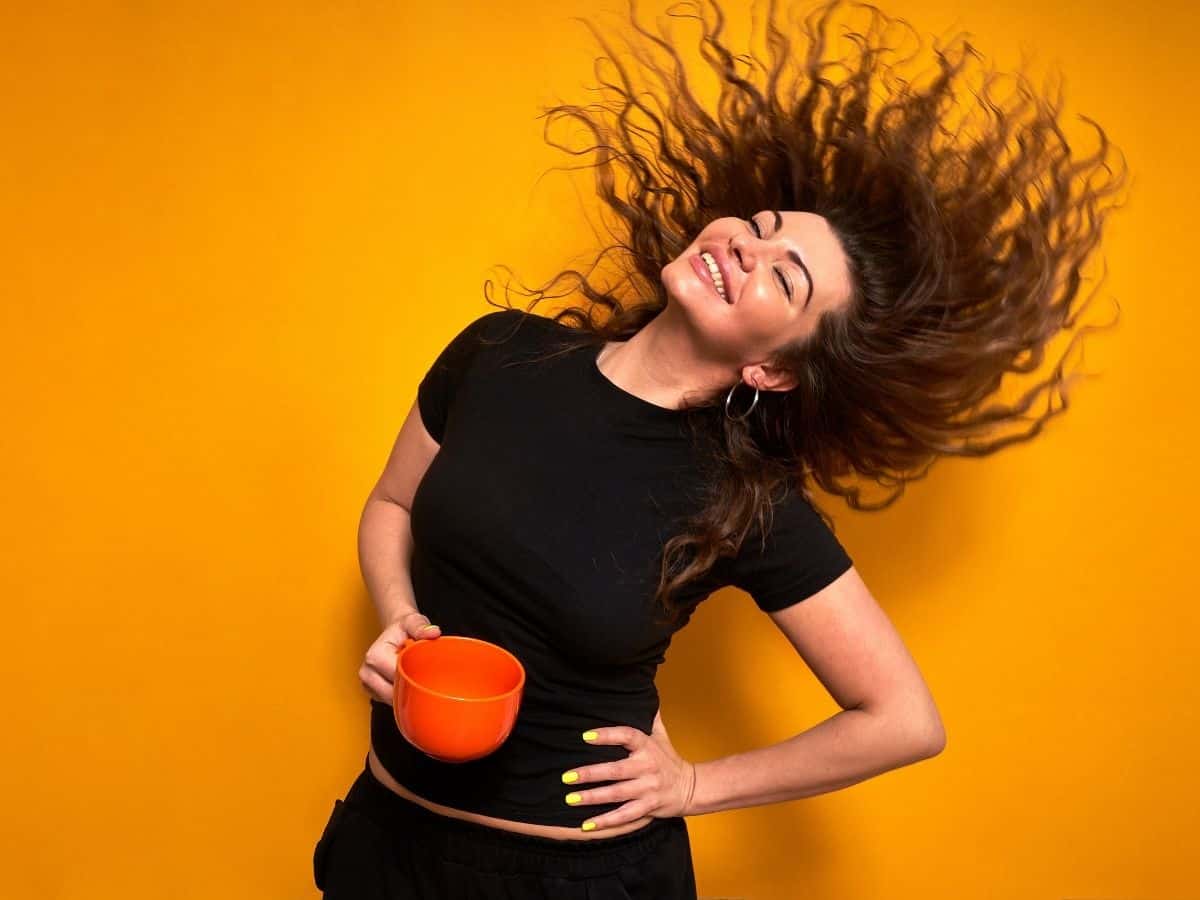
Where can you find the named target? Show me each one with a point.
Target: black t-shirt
(539, 526)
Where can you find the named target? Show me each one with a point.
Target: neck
(659, 364)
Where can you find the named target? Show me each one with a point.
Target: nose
(740, 250)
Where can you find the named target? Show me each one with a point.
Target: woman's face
(778, 272)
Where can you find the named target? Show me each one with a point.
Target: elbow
(916, 726)
(937, 745)
(922, 738)
(933, 739)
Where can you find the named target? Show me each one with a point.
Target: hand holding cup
(378, 671)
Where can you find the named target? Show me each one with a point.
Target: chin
(684, 290)
(698, 318)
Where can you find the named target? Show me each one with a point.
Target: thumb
(417, 624)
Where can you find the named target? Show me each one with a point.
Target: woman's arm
(888, 718)
(848, 747)
(385, 530)
(384, 555)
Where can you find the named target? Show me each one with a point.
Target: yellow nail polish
(573, 798)
(570, 777)
(590, 735)
(588, 826)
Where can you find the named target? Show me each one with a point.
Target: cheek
(765, 324)
(761, 312)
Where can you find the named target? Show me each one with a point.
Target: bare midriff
(560, 832)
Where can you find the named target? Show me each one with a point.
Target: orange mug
(456, 697)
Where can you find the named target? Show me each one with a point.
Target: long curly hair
(964, 239)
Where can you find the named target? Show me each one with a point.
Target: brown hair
(964, 247)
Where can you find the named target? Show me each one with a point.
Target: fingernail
(573, 798)
(423, 627)
(588, 826)
(590, 735)
(570, 777)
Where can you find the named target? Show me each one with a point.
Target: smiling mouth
(702, 270)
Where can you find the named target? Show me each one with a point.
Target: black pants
(378, 845)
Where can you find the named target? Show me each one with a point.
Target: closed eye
(787, 289)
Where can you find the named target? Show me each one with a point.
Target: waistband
(481, 846)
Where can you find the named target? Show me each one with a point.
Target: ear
(769, 378)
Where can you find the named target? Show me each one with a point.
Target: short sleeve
(801, 556)
(435, 393)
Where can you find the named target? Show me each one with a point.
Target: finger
(617, 734)
(633, 811)
(611, 771)
(610, 793)
(383, 653)
(417, 625)
(382, 661)
(381, 680)
(376, 685)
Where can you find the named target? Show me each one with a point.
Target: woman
(813, 295)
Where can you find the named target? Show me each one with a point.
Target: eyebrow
(795, 257)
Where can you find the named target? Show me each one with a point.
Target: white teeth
(716, 272)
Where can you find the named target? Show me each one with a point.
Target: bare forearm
(846, 748)
(384, 556)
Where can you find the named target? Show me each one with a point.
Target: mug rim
(409, 642)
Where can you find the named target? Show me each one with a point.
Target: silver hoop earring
(743, 416)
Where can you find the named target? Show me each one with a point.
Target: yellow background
(234, 238)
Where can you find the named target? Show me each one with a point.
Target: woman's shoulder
(507, 335)
(499, 322)
(522, 329)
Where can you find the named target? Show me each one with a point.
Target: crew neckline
(622, 396)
